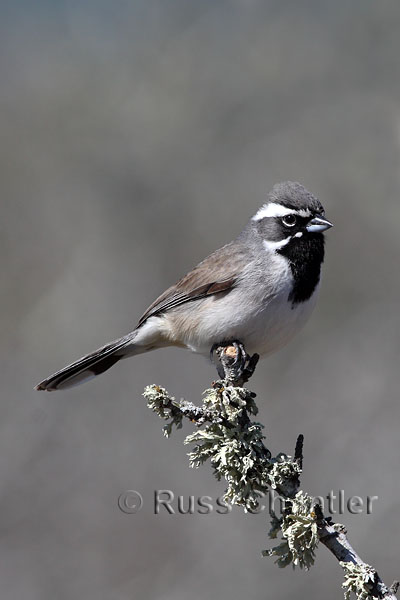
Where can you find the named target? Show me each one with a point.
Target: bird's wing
(218, 273)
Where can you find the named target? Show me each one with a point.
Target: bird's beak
(318, 224)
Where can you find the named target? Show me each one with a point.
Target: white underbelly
(274, 327)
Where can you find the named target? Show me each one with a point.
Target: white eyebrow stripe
(276, 245)
(272, 209)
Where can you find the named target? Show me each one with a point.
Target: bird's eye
(289, 220)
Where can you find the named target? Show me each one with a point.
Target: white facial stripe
(276, 245)
(272, 209)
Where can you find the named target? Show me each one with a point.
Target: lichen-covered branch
(234, 444)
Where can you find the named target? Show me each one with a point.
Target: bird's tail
(90, 365)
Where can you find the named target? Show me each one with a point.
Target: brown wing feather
(216, 274)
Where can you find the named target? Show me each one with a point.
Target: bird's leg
(233, 363)
(241, 359)
(217, 362)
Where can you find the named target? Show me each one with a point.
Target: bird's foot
(233, 363)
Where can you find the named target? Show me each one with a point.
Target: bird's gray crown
(294, 195)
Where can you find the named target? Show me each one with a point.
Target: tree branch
(234, 445)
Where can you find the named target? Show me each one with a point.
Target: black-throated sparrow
(259, 289)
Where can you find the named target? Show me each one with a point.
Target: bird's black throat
(305, 255)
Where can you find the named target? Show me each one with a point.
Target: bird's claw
(233, 363)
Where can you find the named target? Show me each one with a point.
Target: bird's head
(290, 216)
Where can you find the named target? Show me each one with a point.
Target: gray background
(136, 137)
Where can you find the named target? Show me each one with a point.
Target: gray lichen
(359, 580)
(165, 406)
(233, 444)
(299, 531)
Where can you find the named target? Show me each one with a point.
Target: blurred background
(137, 137)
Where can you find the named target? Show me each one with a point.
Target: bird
(259, 289)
